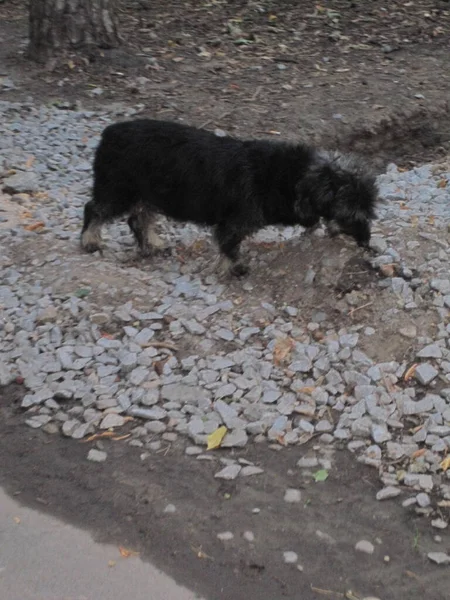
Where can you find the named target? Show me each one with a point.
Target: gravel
(93, 338)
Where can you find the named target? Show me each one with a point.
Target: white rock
(96, 455)
(388, 492)
(290, 557)
(229, 472)
(365, 546)
(292, 496)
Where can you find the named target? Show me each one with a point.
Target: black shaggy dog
(146, 167)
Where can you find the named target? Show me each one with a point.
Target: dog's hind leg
(110, 199)
(91, 234)
(229, 237)
(141, 223)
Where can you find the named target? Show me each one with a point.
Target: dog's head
(340, 190)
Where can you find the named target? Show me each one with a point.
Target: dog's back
(186, 173)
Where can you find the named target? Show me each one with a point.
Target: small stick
(167, 345)
(327, 592)
(360, 307)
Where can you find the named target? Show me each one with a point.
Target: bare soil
(122, 501)
(364, 76)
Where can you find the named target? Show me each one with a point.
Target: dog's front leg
(229, 238)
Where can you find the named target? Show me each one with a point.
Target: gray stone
(308, 462)
(365, 546)
(422, 481)
(441, 285)
(69, 427)
(112, 420)
(250, 470)
(289, 557)
(430, 351)
(227, 413)
(225, 391)
(388, 493)
(411, 407)
(21, 182)
(185, 394)
(380, 434)
(423, 500)
(228, 473)
(153, 414)
(235, 439)
(248, 536)
(440, 558)
(225, 536)
(96, 455)
(425, 373)
(292, 496)
(362, 427)
(439, 524)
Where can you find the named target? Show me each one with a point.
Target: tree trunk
(58, 25)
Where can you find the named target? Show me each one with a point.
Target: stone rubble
(101, 354)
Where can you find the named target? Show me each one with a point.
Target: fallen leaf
(121, 437)
(71, 64)
(126, 553)
(216, 437)
(82, 292)
(98, 436)
(35, 226)
(321, 475)
(17, 520)
(431, 220)
(410, 372)
(111, 563)
(30, 161)
(282, 350)
(418, 453)
(442, 183)
(445, 464)
(306, 390)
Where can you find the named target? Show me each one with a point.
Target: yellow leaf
(71, 64)
(111, 563)
(445, 464)
(17, 520)
(127, 553)
(216, 437)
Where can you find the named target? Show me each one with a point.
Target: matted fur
(144, 167)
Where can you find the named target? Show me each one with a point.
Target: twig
(167, 345)
(360, 307)
(327, 592)
(256, 94)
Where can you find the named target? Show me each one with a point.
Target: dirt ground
(122, 501)
(367, 77)
(371, 77)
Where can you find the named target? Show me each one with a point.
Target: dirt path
(122, 501)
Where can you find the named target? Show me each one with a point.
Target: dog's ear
(313, 195)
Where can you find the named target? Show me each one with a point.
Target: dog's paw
(239, 270)
(91, 248)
